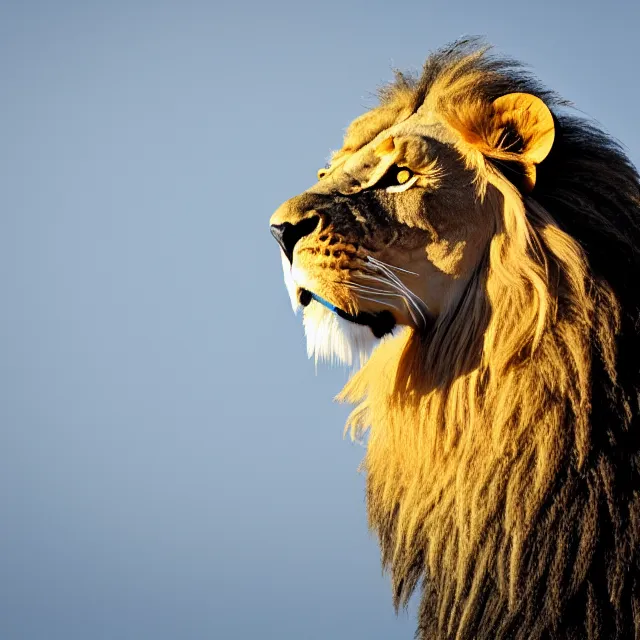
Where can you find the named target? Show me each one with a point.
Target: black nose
(288, 234)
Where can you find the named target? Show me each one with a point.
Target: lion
(473, 251)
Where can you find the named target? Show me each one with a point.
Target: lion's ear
(518, 128)
(530, 119)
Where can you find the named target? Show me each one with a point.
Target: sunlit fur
(482, 469)
(503, 459)
(503, 455)
(335, 340)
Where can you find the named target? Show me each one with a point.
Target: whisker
(410, 304)
(378, 279)
(380, 302)
(362, 287)
(419, 310)
(390, 266)
(352, 283)
(396, 286)
(410, 307)
(411, 299)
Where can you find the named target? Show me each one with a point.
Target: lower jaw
(381, 323)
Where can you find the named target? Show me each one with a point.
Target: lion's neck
(462, 457)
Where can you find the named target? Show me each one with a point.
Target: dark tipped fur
(589, 522)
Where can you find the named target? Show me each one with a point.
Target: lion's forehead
(352, 158)
(370, 124)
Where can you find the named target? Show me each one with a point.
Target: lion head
(484, 243)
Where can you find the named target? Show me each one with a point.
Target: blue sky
(171, 466)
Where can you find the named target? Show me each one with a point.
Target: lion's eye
(323, 172)
(398, 179)
(404, 175)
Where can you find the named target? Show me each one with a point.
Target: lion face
(396, 224)
(501, 461)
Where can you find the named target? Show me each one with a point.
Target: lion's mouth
(380, 323)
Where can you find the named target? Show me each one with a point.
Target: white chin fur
(289, 283)
(333, 339)
(330, 338)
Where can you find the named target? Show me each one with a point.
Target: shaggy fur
(503, 460)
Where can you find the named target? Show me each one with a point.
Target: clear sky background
(171, 467)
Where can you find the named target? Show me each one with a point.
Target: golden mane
(503, 464)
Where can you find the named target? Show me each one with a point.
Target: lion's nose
(288, 234)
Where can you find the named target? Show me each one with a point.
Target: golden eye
(322, 172)
(404, 175)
